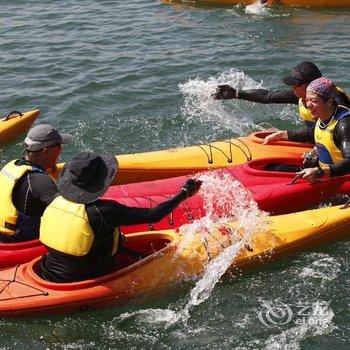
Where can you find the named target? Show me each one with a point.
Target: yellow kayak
(170, 258)
(15, 124)
(301, 3)
(188, 160)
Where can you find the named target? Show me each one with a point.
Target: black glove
(191, 187)
(310, 159)
(224, 92)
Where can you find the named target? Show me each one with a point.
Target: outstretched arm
(227, 92)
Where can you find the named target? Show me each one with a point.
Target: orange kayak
(174, 162)
(171, 257)
(301, 3)
(15, 124)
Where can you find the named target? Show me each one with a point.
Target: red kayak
(18, 253)
(274, 191)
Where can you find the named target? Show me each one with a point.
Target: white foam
(235, 204)
(324, 267)
(257, 9)
(200, 105)
(290, 339)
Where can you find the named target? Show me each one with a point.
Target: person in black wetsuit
(26, 188)
(298, 79)
(331, 133)
(81, 231)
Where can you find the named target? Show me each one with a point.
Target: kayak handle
(13, 114)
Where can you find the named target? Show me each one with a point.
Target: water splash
(325, 268)
(200, 105)
(225, 201)
(258, 8)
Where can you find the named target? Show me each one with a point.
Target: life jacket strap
(10, 226)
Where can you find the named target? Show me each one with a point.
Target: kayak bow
(15, 124)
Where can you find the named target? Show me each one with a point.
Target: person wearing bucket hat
(331, 133)
(81, 231)
(299, 78)
(26, 188)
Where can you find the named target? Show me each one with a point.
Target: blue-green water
(133, 76)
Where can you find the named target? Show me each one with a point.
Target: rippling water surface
(133, 76)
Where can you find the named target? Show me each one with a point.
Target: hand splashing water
(225, 201)
(199, 104)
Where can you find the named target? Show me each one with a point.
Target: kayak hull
(18, 253)
(16, 125)
(301, 3)
(169, 163)
(272, 190)
(23, 293)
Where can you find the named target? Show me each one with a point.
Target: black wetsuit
(341, 137)
(281, 96)
(103, 216)
(31, 195)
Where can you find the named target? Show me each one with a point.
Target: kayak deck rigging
(247, 153)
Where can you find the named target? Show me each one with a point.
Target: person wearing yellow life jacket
(81, 231)
(331, 133)
(26, 188)
(299, 78)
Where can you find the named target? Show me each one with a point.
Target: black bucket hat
(304, 72)
(86, 177)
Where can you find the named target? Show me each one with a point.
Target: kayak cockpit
(140, 248)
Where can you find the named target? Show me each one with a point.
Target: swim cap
(323, 87)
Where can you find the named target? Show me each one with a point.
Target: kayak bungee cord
(13, 280)
(206, 245)
(152, 203)
(248, 156)
(227, 229)
(228, 157)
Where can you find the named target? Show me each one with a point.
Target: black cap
(304, 72)
(44, 135)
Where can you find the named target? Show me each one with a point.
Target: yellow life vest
(305, 114)
(328, 153)
(9, 175)
(65, 228)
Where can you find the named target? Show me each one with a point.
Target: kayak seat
(284, 168)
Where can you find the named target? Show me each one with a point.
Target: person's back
(80, 230)
(26, 189)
